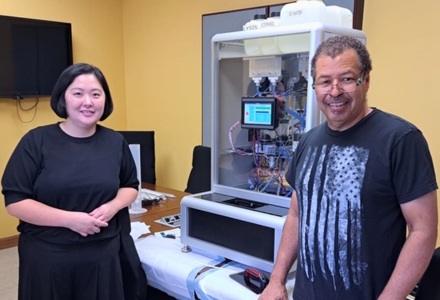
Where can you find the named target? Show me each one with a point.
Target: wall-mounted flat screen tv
(33, 53)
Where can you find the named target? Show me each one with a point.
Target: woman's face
(85, 101)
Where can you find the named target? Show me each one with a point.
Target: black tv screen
(33, 53)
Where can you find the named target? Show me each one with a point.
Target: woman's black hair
(58, 101)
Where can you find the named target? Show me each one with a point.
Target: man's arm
(287, 254)
(421, 217)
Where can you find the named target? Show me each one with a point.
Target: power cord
(37, 100)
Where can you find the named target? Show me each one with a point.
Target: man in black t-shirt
(360, 179)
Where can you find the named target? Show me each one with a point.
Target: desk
(179, 274)
(162, 209)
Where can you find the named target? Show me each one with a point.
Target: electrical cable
(265, 173)
(18, 104)
(234, 149)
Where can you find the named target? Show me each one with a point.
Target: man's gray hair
(335, 45)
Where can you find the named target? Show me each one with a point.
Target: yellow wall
(403, 43)
(151, 55)
(402, 38)
(163, 58)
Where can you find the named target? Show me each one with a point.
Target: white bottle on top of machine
(340, 16)
(269, 45)
(302, 11)
(252, 46)
(305, 11)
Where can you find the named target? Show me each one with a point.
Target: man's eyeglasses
(346, 85)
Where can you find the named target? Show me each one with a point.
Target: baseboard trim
(9, 242)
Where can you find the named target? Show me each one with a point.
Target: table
(187, 275)
(157, 211)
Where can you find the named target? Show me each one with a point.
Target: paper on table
(138, 229)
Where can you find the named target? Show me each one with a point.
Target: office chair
(429, 286)
(200, 176)
(148, 159)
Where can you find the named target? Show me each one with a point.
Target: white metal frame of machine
(318, 33)
(231, 46)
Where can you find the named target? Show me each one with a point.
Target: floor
(8, 273)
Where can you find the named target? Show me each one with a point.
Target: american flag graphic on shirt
(328, 190)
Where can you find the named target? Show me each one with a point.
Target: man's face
(342, 109)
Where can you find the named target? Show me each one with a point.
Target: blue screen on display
(258, 113)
